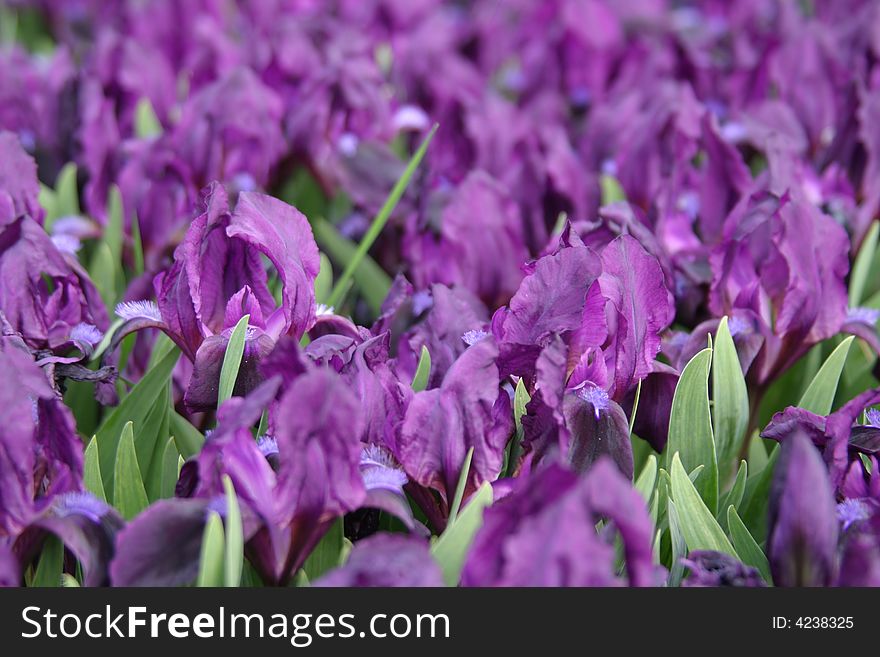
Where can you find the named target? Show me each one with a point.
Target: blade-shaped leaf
(423, 371)
(749, 551)
(380, 220)
(146, 123)
(698, 525)
(679, 545)
(459, 488)
(819, 396)
(211, 558)
(232, 360)
(324, 280)
(92, 479)
(647, 479)
(734, 496)
(521, 398)
(370, 278)
(189, 440)
(150, 439)
(134, 408)
(862, 265)
(48, 572)
(234, 555)
(690, 426)
(129, 496)
(730, 399)
(166, 470)
(612, 191)
(137, 246)
(753, 509)
(450, 549)
(327, 552)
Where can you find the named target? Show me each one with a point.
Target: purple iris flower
(218, 277)
(709, 568)
(544, 533)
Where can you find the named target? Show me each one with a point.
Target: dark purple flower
(785, 261)
(218, 277)
(633, 283)
(44, 293)
(19, 189)
(544, 533)
(449, 243)
(709, 568)
(467, 411)
(231, 127)
(142, 554)
(802, 523)
(40, 453)
(10, 569)
(386, 560)
(85, 525)
(838, 435)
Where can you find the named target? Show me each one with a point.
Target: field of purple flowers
(428, 292)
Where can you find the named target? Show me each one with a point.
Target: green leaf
(324, 280)
(234, 555)
(635, 408)
(114, 230)
(48, 200)
(753, 509)
(698, 525)
(730, 399)
(370, 278)
(134, 407)
(735, 495)
(381, 219)
(423, 371)
(232, 360)
(146, 123)
(67, 192)
(92, 479)
(647, 479)
(102, 271)
(189, 440)
(862, 266)
(678, 543)
(137, 246)
(327, 552)
(211, 558)
(757, 456)
(746, 547)
(866, 461)
(69, 581)
(690, 426)
(169, 470)
(107, 339)
(129, 496)
(612, 191)
(450, 549)
(459, 488)
(48, 573)
(150, 441)
(521, 398)
(819, 397)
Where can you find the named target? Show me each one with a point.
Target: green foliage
(380, 220)
(232, 360)
(690, 426)
(129, 494)
(819, 396)
(451, 548)
(423, 371)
